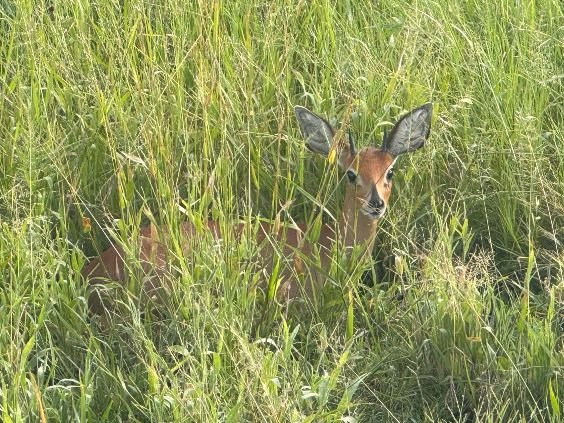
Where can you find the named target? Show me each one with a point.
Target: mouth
(372, 213)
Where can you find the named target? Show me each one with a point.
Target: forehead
(371, 160)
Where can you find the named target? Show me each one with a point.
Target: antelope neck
(358, 228)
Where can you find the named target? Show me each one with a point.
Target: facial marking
(372, 189)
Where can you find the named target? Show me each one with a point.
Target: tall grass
(114, 114)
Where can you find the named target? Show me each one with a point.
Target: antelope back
(283, 248)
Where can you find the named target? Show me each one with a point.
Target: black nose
(376, 203)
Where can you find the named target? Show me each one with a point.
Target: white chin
(372, 215)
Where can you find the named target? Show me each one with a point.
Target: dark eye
(390, 174)
(352, 176)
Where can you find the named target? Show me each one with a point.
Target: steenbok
(295, 263)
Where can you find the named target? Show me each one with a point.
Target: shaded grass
(119, 113)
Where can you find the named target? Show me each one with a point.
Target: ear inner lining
(410, 131)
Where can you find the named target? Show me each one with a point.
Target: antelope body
(302, 268)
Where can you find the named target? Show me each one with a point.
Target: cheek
(361, 195)
(386, 191)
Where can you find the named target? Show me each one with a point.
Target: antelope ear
(317, 132)
(410, 132)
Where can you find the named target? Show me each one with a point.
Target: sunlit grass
(115, 114)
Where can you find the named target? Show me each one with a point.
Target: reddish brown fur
(371, 165)
(300, 272)
(359, 229)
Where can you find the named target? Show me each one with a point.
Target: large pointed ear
(410, 132)
(317, 132)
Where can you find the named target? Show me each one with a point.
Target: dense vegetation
(116, 113)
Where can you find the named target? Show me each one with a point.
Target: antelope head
(369, 171)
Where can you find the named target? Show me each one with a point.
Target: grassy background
(115, 113)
